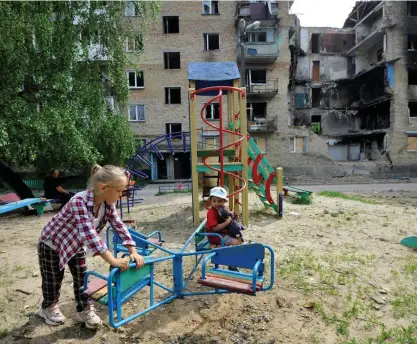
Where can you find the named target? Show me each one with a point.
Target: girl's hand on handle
(122, 263)
(138, 259)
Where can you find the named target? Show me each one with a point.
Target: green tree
(58, 62)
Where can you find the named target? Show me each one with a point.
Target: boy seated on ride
(218, 224)
(234, 229)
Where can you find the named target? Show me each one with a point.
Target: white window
(136, 113)
(130, 9)
(255, 111)
(211, 41)
(297, 145)
(134, 44)
(135, 79)
(212, 111)
(210, 7)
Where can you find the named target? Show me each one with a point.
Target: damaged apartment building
(356, 87)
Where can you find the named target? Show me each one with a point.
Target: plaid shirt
(73, 228)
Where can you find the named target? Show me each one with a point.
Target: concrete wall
(331, 67)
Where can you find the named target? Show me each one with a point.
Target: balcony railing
(269, 86)
(262, 125)
(266, 52)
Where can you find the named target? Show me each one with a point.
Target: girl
(65, 237)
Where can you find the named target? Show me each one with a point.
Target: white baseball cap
(219, 192)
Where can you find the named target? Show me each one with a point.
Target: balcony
(258, 11)
(266, 90)
(265, 52)
(262, 125)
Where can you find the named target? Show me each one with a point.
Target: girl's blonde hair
(108, 174)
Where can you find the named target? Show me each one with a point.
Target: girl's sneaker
(52, 315)
(89, 317)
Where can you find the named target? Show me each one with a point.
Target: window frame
(136, 80)
(169, 124)
(166, 59)
(136, 106)
(253, 37)
(212, 112)
(126, 9)
(409, 3)
(294, 148)
(165, 25)
(255, 139)
(206, 41)
(211, 7)
(135, 50)
(168, 95)
(249, 76)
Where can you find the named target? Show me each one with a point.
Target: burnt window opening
(316, 124)
(172, 61)
(379, 54)
(412, 107)
(171, 24)
(315, 97)
(172, 128)
(210, 7)
(412, 42)
(211, 41)
(412, 77)
(256, 111)
(412, 9)
(213, 111)
(315, 43)
(172, 95)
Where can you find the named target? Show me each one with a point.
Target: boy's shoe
(89, 317)
(52, 315)
(233, 268)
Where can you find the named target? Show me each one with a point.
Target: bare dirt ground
(341, 277)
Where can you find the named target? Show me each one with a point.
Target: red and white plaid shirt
(73, 228)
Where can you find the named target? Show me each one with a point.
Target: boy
(218, 197)
(234, 229)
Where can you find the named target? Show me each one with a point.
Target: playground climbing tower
(219, 83)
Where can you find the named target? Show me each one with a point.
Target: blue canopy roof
(213, 71)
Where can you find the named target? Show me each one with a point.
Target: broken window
(172, 128)
(412, 8)
(255, 37)
(412, 77)
(315, 97)
(412, 42)
(172, 61)
(412, 107)
(315, 43)
(171, 24)
(135, 79)
(255, 111)
(316, 124)
(256, 76)
(412, 143)
(172, 95)
(297, 145)
(211, 41)
(210, 7)
(212, 111)
(316, 71)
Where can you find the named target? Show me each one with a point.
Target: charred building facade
(356, 87)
